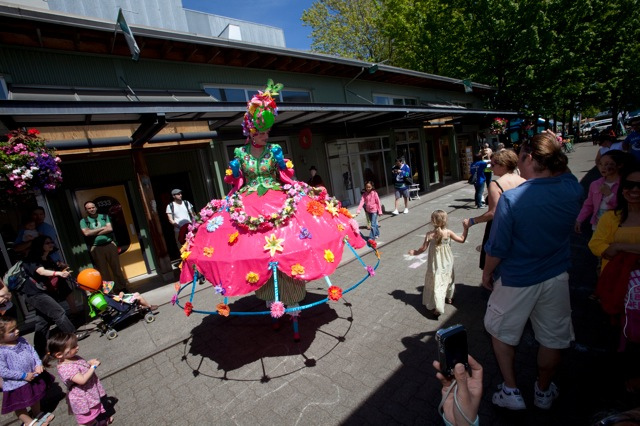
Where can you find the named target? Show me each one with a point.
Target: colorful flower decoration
(315, 208)
(297, 269)
(228, 172)
(214, 223)
(184, 255)
(26, 164)
(174, 299)
(340, 227)
(328, 256)
(233, 238)
(498, 126)
(370, 270)
(331, 208)
(276, 219)
(219, 289)
(223, 309)
(176, 286)
(289, 164)
(273, 244)
(252, 277)
(188, 308)
(304, 233)
(372, 243)
(277, 309)
(207, 251)
(335, 293)
(345, 212)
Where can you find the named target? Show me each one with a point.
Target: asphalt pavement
(363, 360)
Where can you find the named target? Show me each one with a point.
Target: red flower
(33, 132)
(372, 243)
(188, 308)
(335, 293)
(315, 208)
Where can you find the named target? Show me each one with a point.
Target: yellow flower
(297, 269)
(289, 164)
(340, 227)
(328, 256)
(228, 172)
(207, 251)
(287, 209)
(274, 215)
(331, 208)
(233, 237)
(184, 255)
(273, 244)
(252, 277)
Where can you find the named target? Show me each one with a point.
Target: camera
(452, 348)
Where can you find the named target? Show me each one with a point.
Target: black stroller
(111, 310)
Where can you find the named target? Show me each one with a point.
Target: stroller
(108, 307)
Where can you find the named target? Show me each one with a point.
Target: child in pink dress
(372, 208)
(84, 388)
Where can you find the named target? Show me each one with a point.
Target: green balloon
(263, 119)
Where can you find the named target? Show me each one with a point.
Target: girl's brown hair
(507, 158)
(6, 322)
(58, 343)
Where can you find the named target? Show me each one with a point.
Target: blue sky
(283, 14)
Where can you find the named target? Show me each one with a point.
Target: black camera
(452, 348)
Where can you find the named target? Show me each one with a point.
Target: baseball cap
(176, 192)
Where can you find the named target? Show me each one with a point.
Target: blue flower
(304, 233)
(219, 289)
(214, 223)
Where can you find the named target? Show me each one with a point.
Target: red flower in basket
(335, 293)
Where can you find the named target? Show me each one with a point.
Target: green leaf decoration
(262, 190)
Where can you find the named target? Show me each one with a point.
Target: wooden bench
(413, 191)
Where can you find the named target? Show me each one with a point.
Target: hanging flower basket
(498, 126)
(27, 165)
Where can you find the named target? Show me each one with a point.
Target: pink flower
(174, 299)
(277, 309)
(370, 270)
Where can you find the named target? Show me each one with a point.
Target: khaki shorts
(546, 304)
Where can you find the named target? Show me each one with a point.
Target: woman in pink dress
(268, 220)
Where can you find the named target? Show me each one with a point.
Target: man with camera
(401, 183)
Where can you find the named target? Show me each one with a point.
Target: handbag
(473, 179)
(408, 180)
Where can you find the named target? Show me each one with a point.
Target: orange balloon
(90, 279)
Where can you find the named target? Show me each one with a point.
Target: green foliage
(543, 56)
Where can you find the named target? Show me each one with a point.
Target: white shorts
(547, 304)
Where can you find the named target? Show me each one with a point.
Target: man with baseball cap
(180, 214)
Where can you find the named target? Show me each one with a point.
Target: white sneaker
(405, 211)
(544, 400)
(395, 212)
(510, 401)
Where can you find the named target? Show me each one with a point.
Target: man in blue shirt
(528, 255)
(401, 172)
(477, 169)
(632, 142)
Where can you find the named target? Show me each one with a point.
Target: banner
(128, 35)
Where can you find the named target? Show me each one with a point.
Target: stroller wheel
(112, 334)
(149, 317)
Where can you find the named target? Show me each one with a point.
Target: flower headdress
(261, 110)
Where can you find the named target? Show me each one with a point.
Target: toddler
(84, 387)
(439, 280)
(25, 381)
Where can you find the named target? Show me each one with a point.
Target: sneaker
(395, 212)
(405, 211)
(82, 335)
(511, 401)
(543, 400)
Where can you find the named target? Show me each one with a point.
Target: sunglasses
(49, 242)
(630, 184)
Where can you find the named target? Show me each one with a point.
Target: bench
(413, 191)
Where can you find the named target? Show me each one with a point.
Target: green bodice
(259, 173)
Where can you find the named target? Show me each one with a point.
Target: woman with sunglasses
(617, 240)
(45, 290)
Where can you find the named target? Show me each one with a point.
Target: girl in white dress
(439, 280)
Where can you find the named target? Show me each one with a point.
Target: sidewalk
(363, 360)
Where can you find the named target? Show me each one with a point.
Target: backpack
(15, 277)
(187, 205)
(473, 178)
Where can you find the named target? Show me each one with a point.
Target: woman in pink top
(602, 192)
(372, 208)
